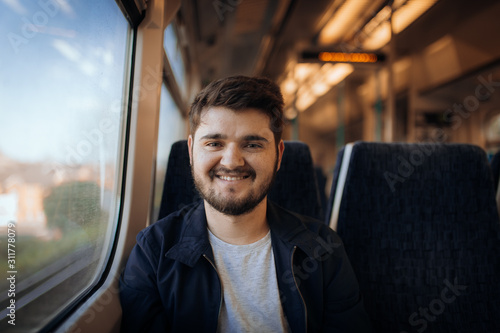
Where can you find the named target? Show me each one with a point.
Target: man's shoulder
(169, 228)
(310, 223)
(298, 224)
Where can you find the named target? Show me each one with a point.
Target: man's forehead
(220, 121)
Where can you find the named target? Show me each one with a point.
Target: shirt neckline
(240, 248)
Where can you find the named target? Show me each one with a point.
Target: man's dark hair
(239, 93)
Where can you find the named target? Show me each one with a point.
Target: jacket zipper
(220, 287)
(297, 286)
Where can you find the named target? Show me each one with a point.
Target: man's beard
(234, 207)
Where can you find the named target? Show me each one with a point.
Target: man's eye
(213, 144)
(254, 145)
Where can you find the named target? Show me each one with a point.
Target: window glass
(174, 55)
(63, 73)
(171, 128)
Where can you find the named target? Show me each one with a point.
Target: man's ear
(190, 149)
(281, 149)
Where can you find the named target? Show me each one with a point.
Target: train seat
(495, 168)
(295, 186)
(178, 187)
(421, 228)
(338, 183)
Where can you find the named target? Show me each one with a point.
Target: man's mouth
(231, 178)
(232, 175)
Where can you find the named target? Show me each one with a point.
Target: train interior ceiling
(441, 53)
(85, 165)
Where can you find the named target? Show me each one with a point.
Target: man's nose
(232, 157)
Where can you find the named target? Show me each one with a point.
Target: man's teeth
(231, 178)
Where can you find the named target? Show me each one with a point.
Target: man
(235, 262)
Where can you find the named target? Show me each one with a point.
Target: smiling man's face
(234, 158)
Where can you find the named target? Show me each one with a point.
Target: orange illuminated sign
(360, 57)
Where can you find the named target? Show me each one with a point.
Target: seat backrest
(321, 181)
(495, 168)
(295, 187)
(338, 182)
(420, 226)
(178, 187)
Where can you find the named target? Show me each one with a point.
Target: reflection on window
(174, 55)
(171, 129)
(62, 79)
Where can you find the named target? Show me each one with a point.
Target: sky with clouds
(62, 70)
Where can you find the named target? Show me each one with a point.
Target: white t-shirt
(251, 300)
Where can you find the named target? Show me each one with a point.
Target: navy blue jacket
(170, 283)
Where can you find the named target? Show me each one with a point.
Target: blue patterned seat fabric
(295, 187)
(421, 228)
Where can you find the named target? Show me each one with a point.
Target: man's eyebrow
(255, 137)
(218, 136)
(213, 136)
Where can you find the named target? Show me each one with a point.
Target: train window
(174, 55)
(62, 90)
(171, 129)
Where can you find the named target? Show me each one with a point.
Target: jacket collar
(193, 240)
(285, 226)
